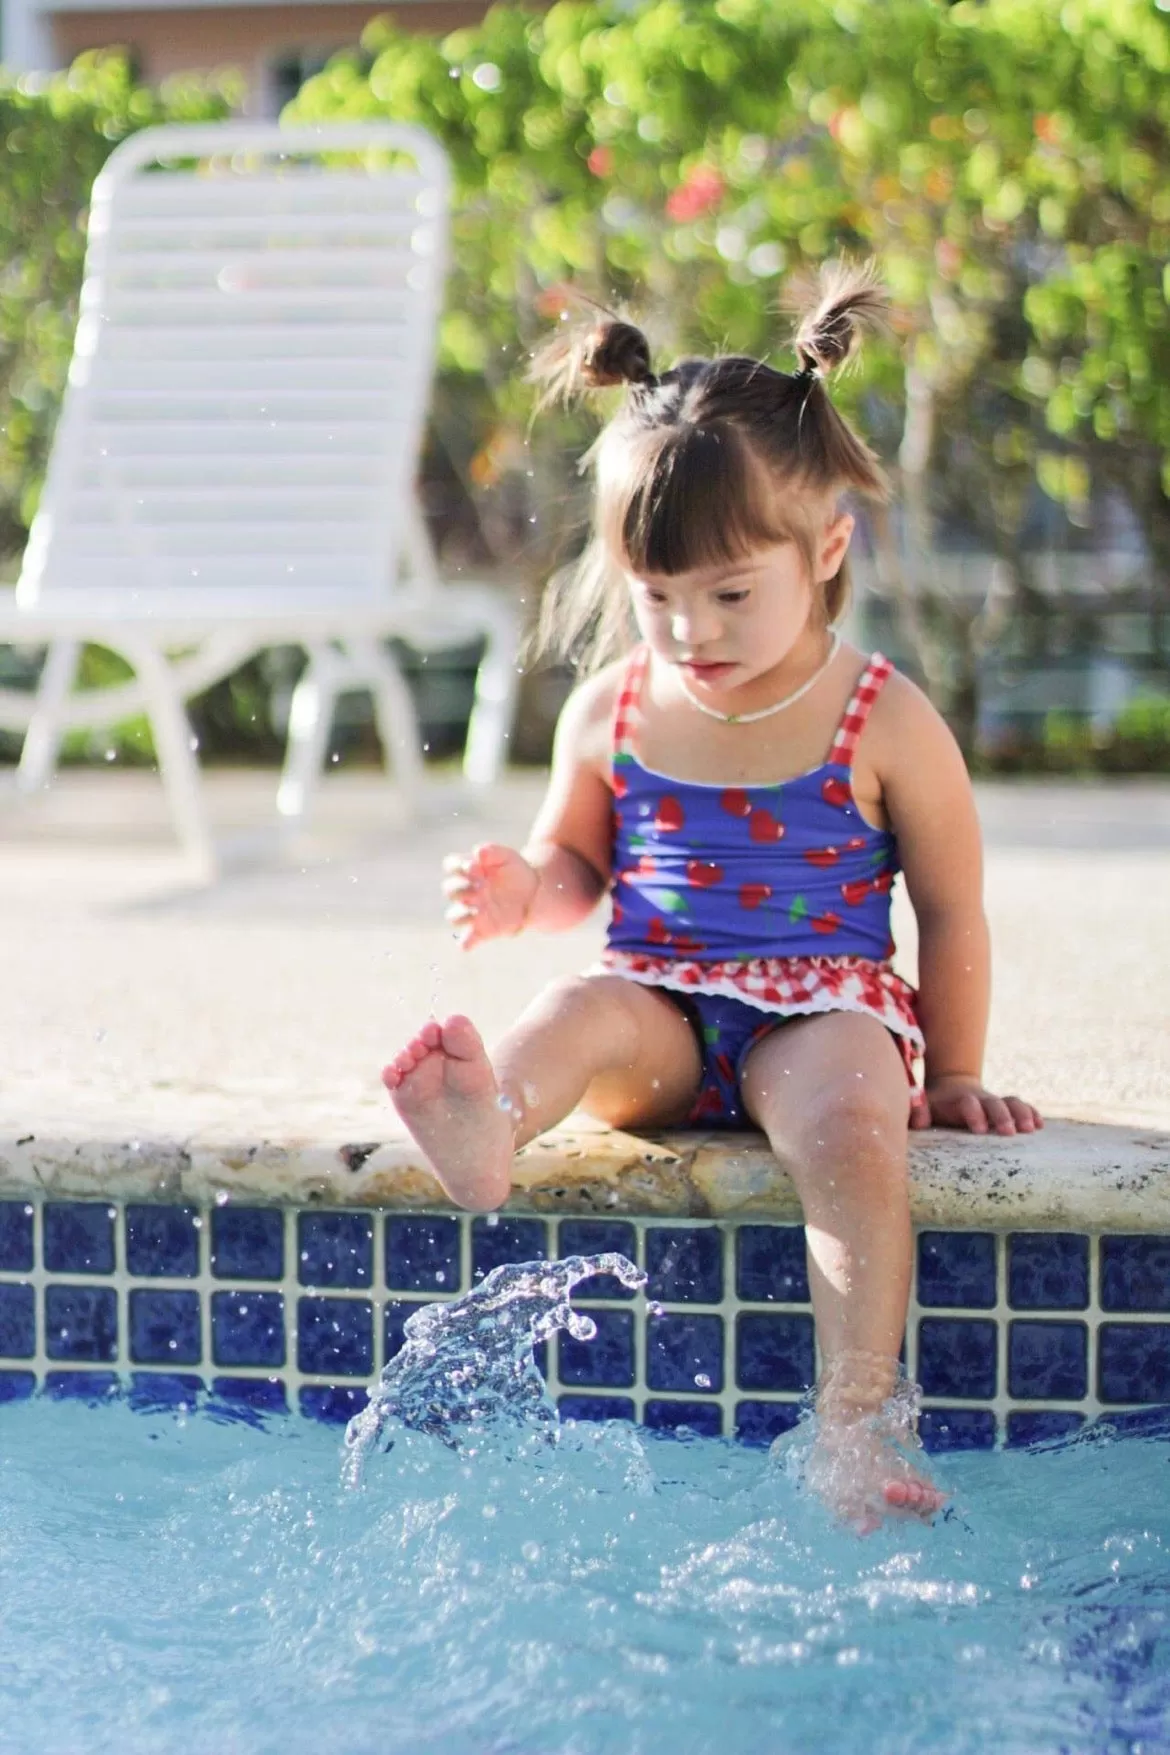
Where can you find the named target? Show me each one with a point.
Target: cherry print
(690, 945)
(763, 826)
(725, 1067)
(754, 895)
(619, 784)
(669, 817)
(619, 913)
(883, 882)
(826, 922)
(708, 1105)
(702, 873)
(855, 893)
(736, 802)
(855, 844)
(822, 856)
(836, 792)
(657, 932)
(646, 865)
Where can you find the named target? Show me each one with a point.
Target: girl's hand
(489, 892)
(963, 1102)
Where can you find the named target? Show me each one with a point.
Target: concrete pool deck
(163, 1037)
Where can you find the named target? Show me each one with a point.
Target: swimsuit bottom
(726, 1030)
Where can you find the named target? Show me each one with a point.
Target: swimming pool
(204, 1584)
(181, 1568)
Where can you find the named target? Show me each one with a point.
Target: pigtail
(835, 311)
(606, 352)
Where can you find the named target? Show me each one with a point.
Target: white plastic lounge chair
(234, 466)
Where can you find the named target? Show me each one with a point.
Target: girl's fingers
(999, 1115)
(1023, 1114)
(971, 1113)
(919, 1112)
(457, 884)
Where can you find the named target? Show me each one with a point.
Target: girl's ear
(834, 542)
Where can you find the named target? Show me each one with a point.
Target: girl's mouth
(706, 672)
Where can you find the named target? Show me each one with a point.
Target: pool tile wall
(1013, 1337)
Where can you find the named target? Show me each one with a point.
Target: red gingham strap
(869, 687)
(625, 714)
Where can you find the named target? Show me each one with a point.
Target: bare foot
(443, 1087)
(865, 1478)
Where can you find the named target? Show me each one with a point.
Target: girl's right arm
(564, 868)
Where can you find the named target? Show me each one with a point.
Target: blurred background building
(274, 45)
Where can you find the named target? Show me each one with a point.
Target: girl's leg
(622, 1051)
(831, 1094)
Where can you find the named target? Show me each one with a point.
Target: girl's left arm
(928, 799)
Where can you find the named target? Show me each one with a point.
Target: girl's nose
(692, 627)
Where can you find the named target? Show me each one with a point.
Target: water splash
(467, 1366)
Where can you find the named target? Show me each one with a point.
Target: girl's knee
(856, 1116)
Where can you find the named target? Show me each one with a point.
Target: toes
(460, 1038)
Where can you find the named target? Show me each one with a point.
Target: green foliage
(55, 136)
(1004, 160)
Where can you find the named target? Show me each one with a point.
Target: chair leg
(394, 714)
(42, 740)
(309, 720)
(175, 747)
(497, 683)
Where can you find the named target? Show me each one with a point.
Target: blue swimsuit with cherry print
(742, 900)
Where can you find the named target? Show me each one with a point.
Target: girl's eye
(655, 597)
(733, 596)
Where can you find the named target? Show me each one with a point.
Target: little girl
(744, 786)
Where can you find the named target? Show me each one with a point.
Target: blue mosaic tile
(335, 1249)
(956, 1356)
(771, 1266)
(82, 1386)
(595, 1407)
(1048, 1361)
(247, 1328)
(510, 1240)
(162, 1242)
(247, 1243)
(774, 1351)
(1040, 1426)
(16, 1237)
(335, 1336)
(1135, 1273)
(156, 1392)
(17, 1386)
(1133, 1362)
(79, 1237)
(248, 1398)
(760, 1422)
(685, 1352)
(605, 1361)
(393, 1324)
(956, 1269)
(422, 1255)
(81, 1322)
(703, 1418)
(1151, 1422)
(956, 1429)
(1048, 1270)
(599, 1237)
(684, 1265)
(18, 1322)
(334, 1404)
(165, 1328)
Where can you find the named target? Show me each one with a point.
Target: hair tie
(809, 373)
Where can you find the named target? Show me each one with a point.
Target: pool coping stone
(1074, 1176)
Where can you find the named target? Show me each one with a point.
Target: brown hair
(693, 469)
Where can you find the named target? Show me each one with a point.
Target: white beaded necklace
(776, 707)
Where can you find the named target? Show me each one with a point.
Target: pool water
(203, 1582)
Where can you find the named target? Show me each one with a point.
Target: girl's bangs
(689, 499)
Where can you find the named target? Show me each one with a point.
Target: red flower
(702, 191)
(600, 161)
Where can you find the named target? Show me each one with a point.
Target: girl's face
(728, 625)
